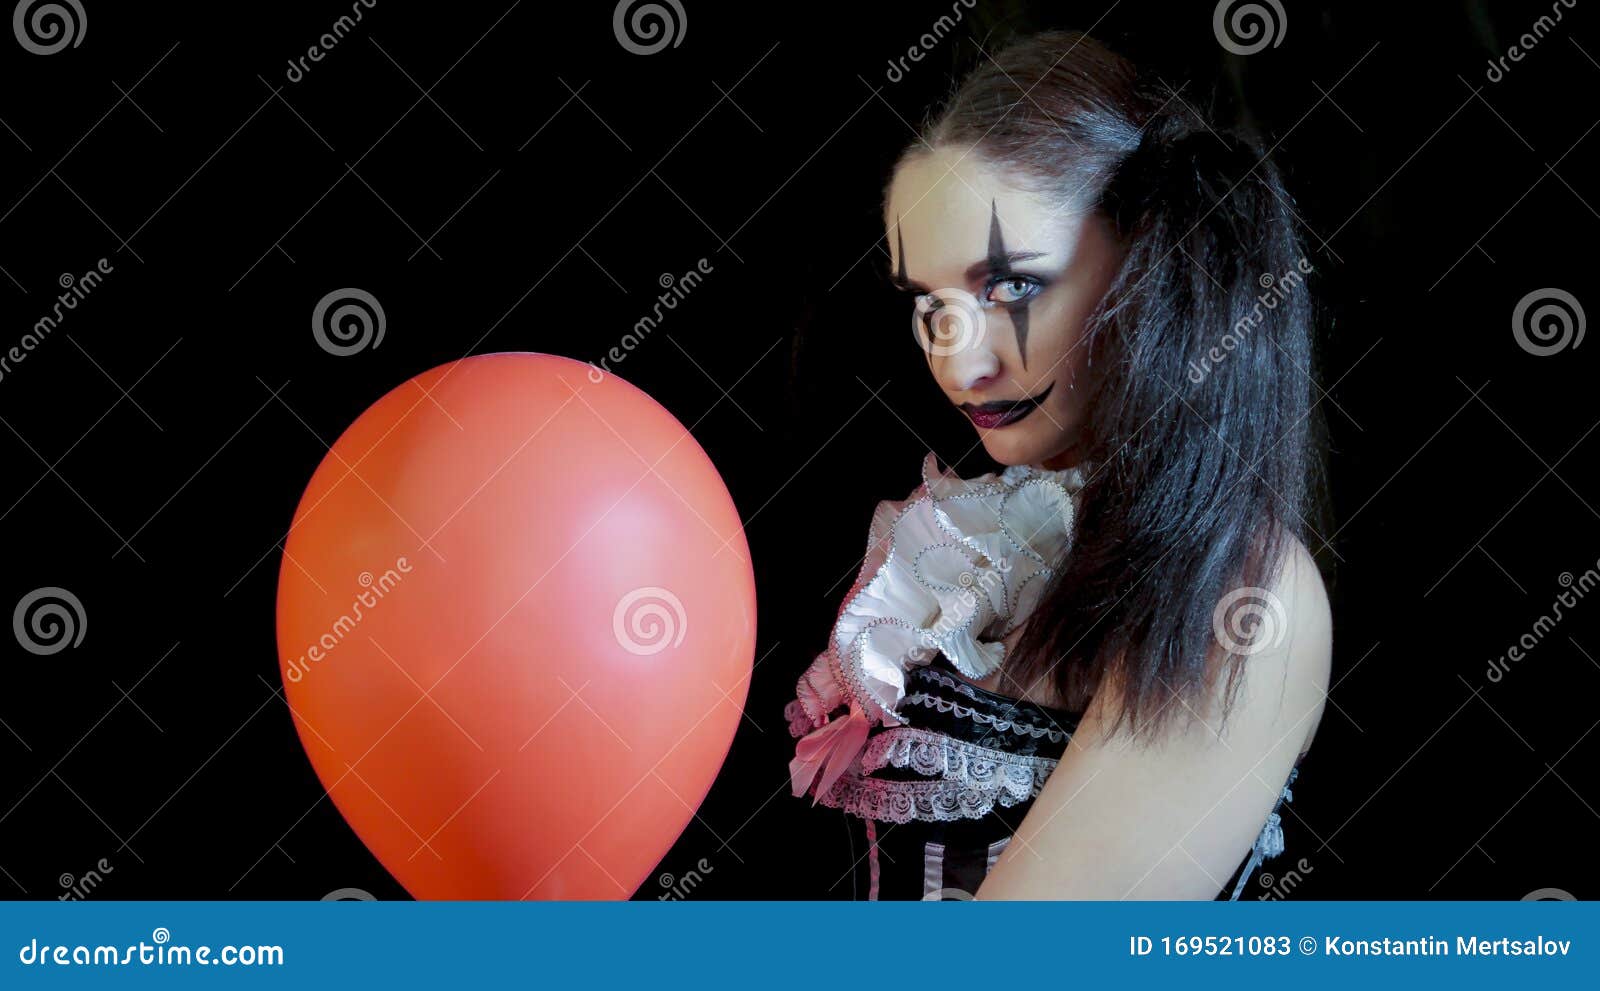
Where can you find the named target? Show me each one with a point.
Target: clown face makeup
(1001, 280)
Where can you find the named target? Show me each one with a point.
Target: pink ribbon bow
(829, 749)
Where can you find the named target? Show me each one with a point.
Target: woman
(1093, 674)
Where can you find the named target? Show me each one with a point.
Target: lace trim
(929, 801)
(1021, 729)
(935, 754)
(971, 782)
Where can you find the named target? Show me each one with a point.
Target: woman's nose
(972, 368)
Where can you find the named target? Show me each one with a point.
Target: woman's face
(1002, 281)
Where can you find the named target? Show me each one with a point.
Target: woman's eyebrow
(1000, 263)
(976, 271)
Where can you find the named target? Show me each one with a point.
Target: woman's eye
(1013, 290)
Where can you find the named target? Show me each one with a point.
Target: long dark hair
(1201, 436)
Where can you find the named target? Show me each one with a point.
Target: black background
(148, 468)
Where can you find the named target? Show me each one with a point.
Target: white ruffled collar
(952, 569)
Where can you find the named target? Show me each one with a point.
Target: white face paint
(1003, 281)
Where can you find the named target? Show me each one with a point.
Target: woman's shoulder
(1296, 658)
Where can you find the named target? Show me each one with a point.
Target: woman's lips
(1003, 413)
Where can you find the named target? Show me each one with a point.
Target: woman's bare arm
(1173, 819)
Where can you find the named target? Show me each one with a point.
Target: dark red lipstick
(1003, 412)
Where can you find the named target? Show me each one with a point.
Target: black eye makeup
(1014, 291)
(998, 283)
(900, 250)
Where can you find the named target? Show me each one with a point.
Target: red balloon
(516, 622)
